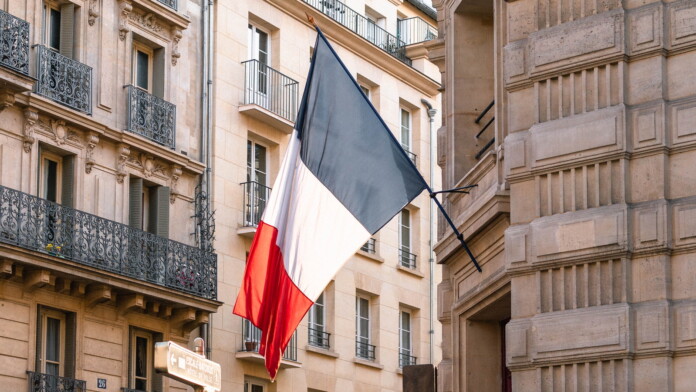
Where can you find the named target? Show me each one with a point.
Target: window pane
(140, 384)
(260, 164)
(406, 129)
(52, 339)
(54, 32)
(405, 235)
(256, 388)
(249, 158)
(52, 369)
(263, 47)
(51, 180)
(142, 71)
(140, 357)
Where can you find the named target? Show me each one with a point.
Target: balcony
(63, 80)
(40, 382)
(369, 246)
(255, 198)
(319, 338)
(151, 117)
(42, 226)
(362, 26)
(406, 359)
(250, 347)
(364, 350)
(14, 43)
(269, 96)
(169, 3)
(411, 155)
(407, 259)
(415, 30)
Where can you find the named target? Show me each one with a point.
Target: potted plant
(250, 345)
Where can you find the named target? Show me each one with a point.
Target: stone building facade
(583, 217)
(101, 157)
(263, 51)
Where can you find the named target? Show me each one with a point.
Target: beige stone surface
(593, 154)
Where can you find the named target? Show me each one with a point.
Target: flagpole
(460, 236)
(432, 194)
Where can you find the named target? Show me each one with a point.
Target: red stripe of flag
(275, 308)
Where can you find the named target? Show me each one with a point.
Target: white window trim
(45, 314)
(46, 155)
(150, 347)
(410, 231)
(410, 332)
(253, 44)
(48, 6)
(408, 144)
(139, 47)
(358, 317)
(251, 168)
(313, 322)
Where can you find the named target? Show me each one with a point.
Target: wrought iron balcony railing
(131, 390)
(41, 382)
(415, 30)
(369, 246)
(63, 79)
(151, 117)
(14, 43)
(255, 199)
(362, 26)
(319, 338)
(43, 226)
(364, 350)
(270, 89)
(407, 259)
(252, 337)
(169, 3)
(409, 153)
(406, 359)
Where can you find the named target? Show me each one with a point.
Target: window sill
(370, 256)
(411, 271)
(368, 363)
(321, 351)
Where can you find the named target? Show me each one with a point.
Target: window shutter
(158, 73)
(159, 211)
(156, 376)
(68, 185)
(39, 339)
(67, 28)
(135, 203)
(70, 337)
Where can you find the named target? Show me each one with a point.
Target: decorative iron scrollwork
(63, 80)
(151, 117)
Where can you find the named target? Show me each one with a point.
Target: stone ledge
(370, 256)
(321, 351)
(410, 271)
(367, 363)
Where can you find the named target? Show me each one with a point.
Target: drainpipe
(206, 330)
(431, 116)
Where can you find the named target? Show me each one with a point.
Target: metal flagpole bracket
(460, 236)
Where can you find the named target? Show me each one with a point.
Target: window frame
(45, 314)
(43, 180)
(150, 52)
(48, 24)
(253, 43)
(312, 319)
(251, 170)
(401, 230)
(408, 144)
(132, 378)
(359, 317)
(250, 383)
(409, 331)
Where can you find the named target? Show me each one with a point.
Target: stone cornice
(359, 46)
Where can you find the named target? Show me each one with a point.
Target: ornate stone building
(375, 316)
(576, 119)
(101, 157)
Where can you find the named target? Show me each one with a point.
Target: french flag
(344, 176)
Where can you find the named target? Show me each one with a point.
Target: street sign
(188, 367)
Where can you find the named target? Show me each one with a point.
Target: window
(405, 354)
(51, 177)
(257, 191)
(254, 386)
(317, 324)
(406, 129)
(406, 258)
(142, 66)
(149, 207)
(259, 49)
(55, 342)
(366, 91)
(141, 373)
(363, 348)
(59, 26)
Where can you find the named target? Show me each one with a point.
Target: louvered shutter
(158, 73)
(135, 203)
(67, 29)
(70, 338)
(68, 182)
(159, 211)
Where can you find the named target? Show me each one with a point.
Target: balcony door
(258, 82)
(257, 190)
